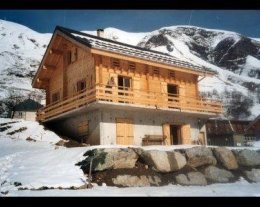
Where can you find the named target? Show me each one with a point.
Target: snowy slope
(236, 58)
(21, 50)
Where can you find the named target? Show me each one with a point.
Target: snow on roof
(130, 50)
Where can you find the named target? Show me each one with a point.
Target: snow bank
(37, 164)
(33, 130)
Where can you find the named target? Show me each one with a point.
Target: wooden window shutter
(186, 134)
(115, 63)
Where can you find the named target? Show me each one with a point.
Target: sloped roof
(28, 105)
(225, 127)
(257, 119)
(130, 50)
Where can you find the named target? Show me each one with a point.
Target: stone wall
(192, 166)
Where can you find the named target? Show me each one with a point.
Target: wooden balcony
(128, 96)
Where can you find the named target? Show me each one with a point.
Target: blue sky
(246, 22)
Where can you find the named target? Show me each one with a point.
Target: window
(156, 72)
(72, 55)
(20, 114)
(55, 96)
(131, 66)
(81, 85)
(172, 90)
(171, 74)
(115, 63)
(124, 82)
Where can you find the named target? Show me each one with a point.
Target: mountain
(235, 57)
(21, 50)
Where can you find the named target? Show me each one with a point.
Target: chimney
(100, 33)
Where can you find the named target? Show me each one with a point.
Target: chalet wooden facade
(101, 91)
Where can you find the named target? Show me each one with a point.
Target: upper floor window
(72, 55)
(171, 74)
(115, 63)
(172, 90)
(81, 85)
(55, 96)
(131, 66)
(156, 71)
(124, 82)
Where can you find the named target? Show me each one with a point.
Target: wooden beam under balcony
(49, 67)
(56, 51)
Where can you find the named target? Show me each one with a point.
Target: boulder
(199, 156)
(215, 174)
(192, 178)
(253, 175)
(109, 158)
(226, 158)
(136, 181)
(163, 161)
(247, 157)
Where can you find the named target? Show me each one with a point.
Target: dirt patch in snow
(16, 131)
(70, 143)
(30, 139)
(7, 123)
(2, 129)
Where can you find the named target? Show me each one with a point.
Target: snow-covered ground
(41, 163)
(240, 188)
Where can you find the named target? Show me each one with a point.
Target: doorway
(175, 134)
(124, 131)
(172, 91)
(124, 84)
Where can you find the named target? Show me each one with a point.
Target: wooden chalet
(229, 133)
(101, 91)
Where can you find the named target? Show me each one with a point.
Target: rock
(192, 178)
(226, 158)
(136, 181)
(17, 184)
(253, 175)
(247, 157)
(218, 175)
(199, 156)
(85, 186)
(162, 161)
(109, 158)
(137, 150)
(198, 152)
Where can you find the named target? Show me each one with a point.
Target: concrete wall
(144, 123)
(30, 116)
(70, 127)
(26, 115)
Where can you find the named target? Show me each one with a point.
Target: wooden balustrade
(112, 94)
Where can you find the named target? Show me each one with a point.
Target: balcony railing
(130, 96)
